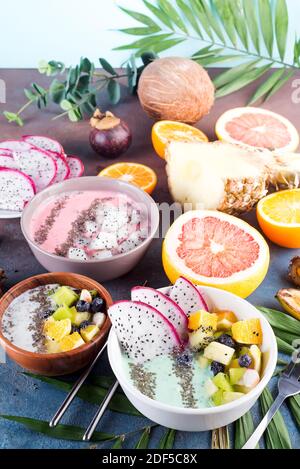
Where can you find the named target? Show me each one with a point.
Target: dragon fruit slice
(7, 161)
(63, 169)
(15, 145)
(143, 332)
(76, 167)
(45, 143)
(37, 164)
(16, 189)
(165, 306)
(185, 294)
(77, 254)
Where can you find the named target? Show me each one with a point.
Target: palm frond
(253, 32)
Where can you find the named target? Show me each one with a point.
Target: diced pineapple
(71, 342)
(63, 312)
(89, 332)
(65, 296)
(210, 388)
(199, 339)
(248, 332)
(52, 346)
(225, 320)
(202, 318)
(222, 382)
(236, 374)
(78, 318)
(256, 355)
(217, 398)
(219, 353)
(231, 396)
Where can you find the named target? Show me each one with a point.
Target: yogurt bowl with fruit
(94, 226)
(54, 324)
(190, 358)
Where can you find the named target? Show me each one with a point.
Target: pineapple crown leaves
(253, 32)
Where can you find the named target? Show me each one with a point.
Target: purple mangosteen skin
(111, 143)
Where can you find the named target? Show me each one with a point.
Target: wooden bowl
(63, 363)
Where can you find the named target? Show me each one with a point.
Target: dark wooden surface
(19, 263)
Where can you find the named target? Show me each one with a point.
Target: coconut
(177, 89)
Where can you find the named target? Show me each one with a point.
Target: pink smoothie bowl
(103, 269)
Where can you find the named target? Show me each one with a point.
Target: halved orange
(164, 132)
(278, 215)
(135, 173)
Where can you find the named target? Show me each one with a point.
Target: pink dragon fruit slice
(165, 306)
(45, 143)
(39, 165)
(15, 145)
(7, 161)
(63, 169)
(16, 189)
(76, 166)
(143, 332)
(185, 294)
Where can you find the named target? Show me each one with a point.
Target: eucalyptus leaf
(171, 12)
(281, 320)
(252, 23)
(234, 73)
(244, 427)
(167, 440)
(114, 91)
(158, 13)
(57, 91)
(12, 117)
(281, 26)
(266, 87)
(276, 434)
(66, 105)
(242, 81)
(266, 23)
(62, 432)
(74, 115)
(143, 441)
(30, 95)
(189, 14)
(107, 67)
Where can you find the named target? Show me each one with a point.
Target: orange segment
(164, 132)
(248, 332)
(279, 218)
(135, 173)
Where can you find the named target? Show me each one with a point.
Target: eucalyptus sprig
(252, 31)
(75, 90)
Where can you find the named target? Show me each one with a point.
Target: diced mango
(57, 330)
(248, 332)
(89, 332)
(202, 318)
(225, 320)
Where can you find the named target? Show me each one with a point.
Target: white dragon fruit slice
(187, 296)
(76, 166)
(45, 143)
(143, 332)
(15, 145)
(91, 228)
(98, 255)
(7, 161)
(123, 234)
(132, 242)
(39, 165)
(77, 254)
(16, 189)
(135, 217)
(104, 241)
(63, 169)
(165, 306)
(81, 242)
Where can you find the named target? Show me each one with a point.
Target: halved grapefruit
(215, 249)
(257, 128)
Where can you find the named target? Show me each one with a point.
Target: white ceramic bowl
(208, 418)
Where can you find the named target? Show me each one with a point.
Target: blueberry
(75, 329)
(226, 339)
(97, 305)
(82, 306)
(245, 361)
(184, 359)
(217, 367)
(84, 324)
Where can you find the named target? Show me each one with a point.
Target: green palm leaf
(239, 21)
(145, 42)
(266, 23)
(233, 73)
(281, 82)
(139, 17)
(189, 14)
(167, 440)
(158, 13)
(243, 81)
(266, 87)
(225, 14)
(212, 21)
(281, 26)
(200, 14)
(276, 435)
(172, 13)
(143, 442)
(250, 14)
